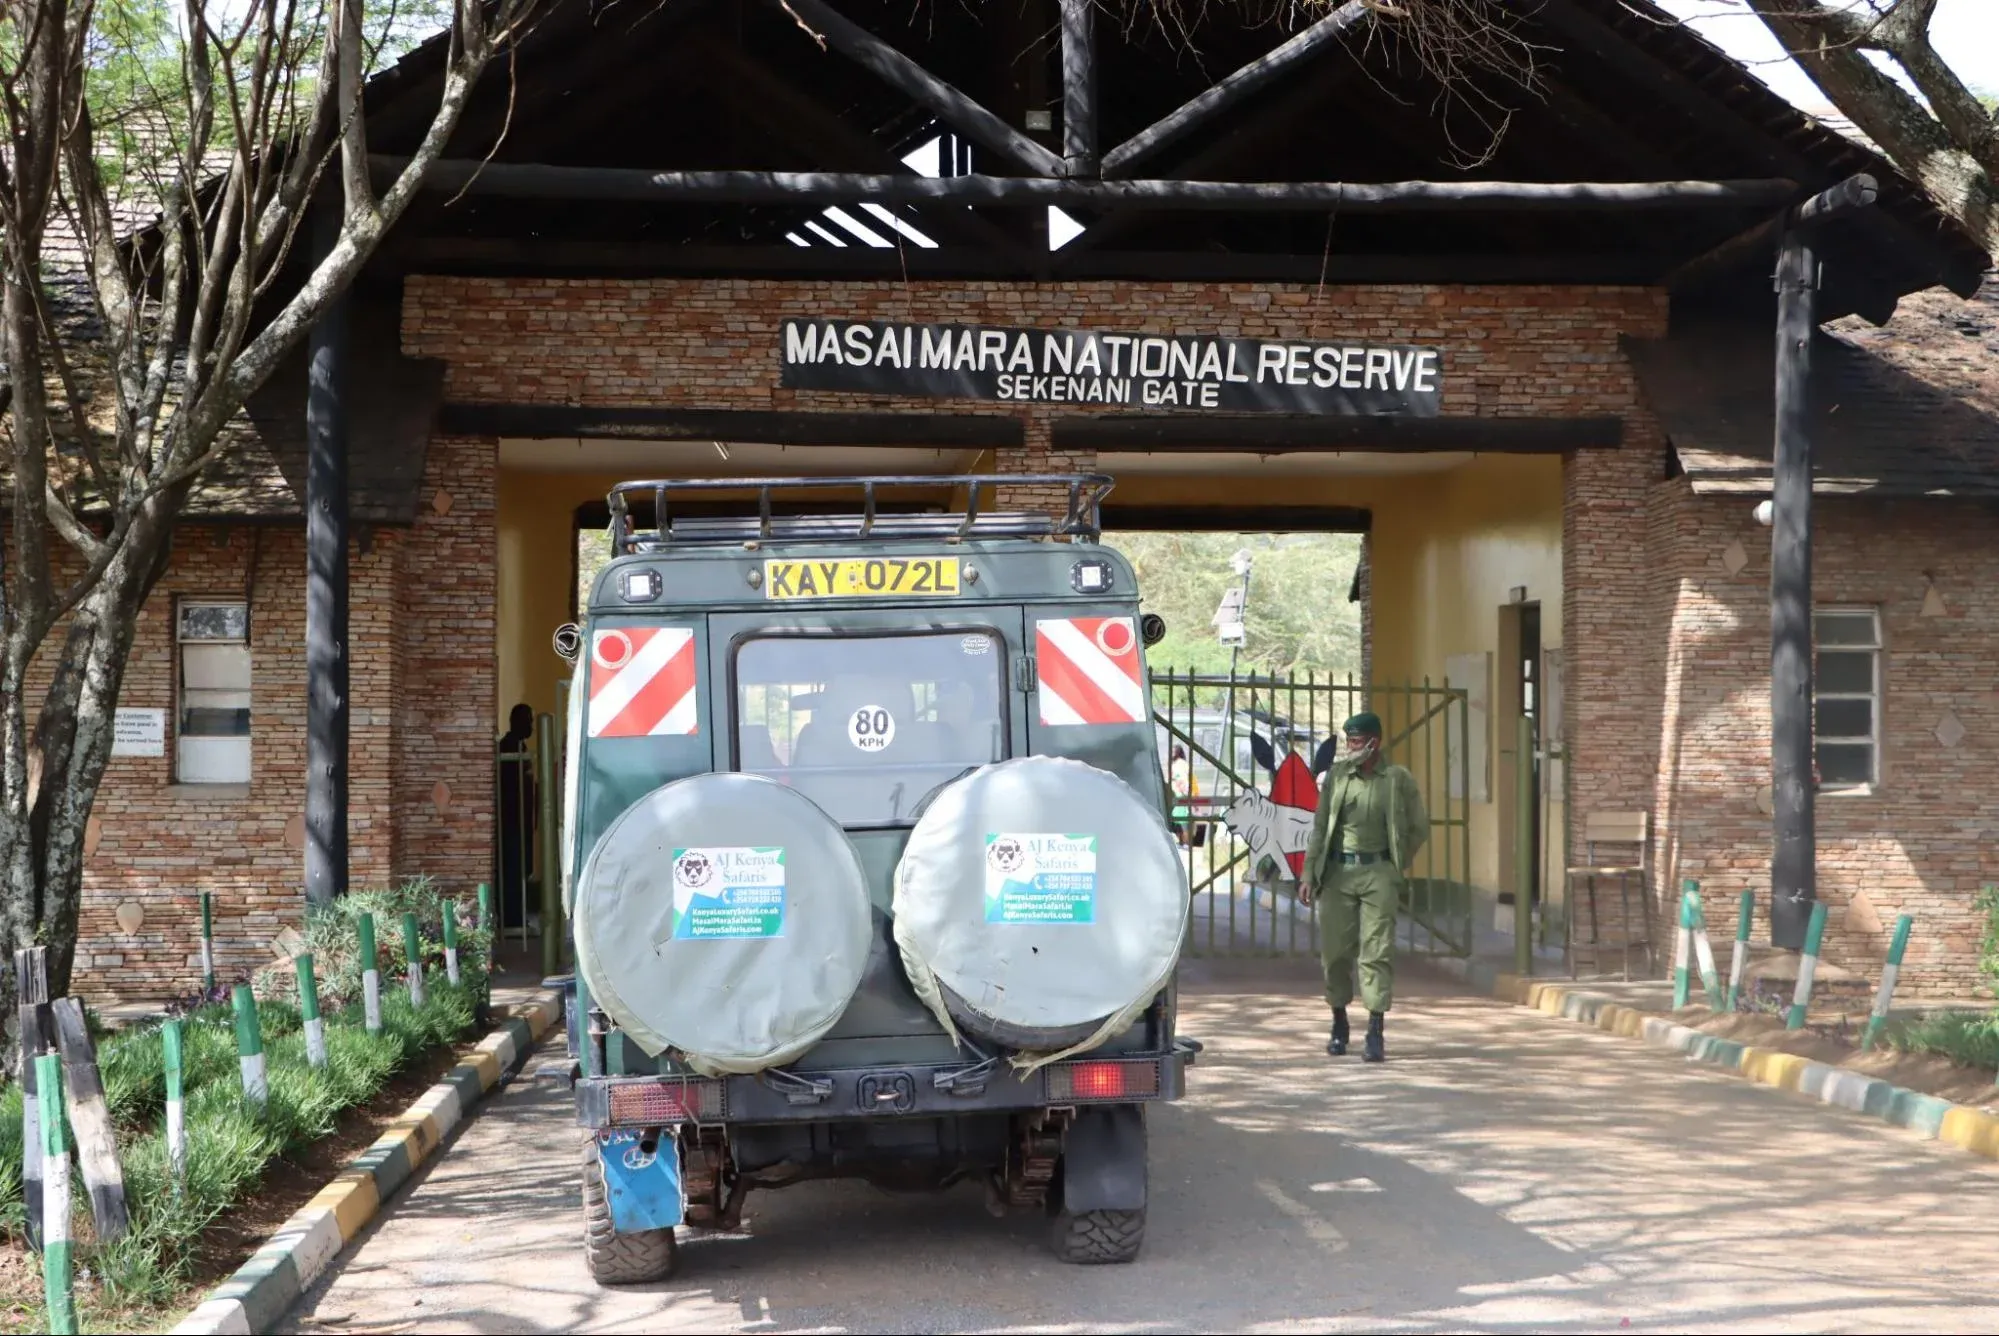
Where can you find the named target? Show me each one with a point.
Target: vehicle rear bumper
(921, 1090)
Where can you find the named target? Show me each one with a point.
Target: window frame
(1876, 648)
(734, 684)
(183, 603)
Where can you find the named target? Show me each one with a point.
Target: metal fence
(1237, 731)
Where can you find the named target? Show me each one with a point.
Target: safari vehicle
(868, 869)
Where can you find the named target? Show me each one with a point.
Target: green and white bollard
(371, 977)
(486, 924)
(308, 1010)
(1885, 994)
(1744, 916)
(250, 1048)
(57, 1274)
(413, 951)
(1683, 949)
(207, 942)
(170, 1049)
(1808, 965)
(451, 942)
(1704, 949)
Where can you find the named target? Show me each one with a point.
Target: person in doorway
(517, 814)
(1369, 825)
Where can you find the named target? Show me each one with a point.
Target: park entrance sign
(1230, 375)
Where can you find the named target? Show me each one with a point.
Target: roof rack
(1083, 518)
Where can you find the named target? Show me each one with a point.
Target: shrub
(1969, 1037)
(332, 935)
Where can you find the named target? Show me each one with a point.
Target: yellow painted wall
(1447, 548)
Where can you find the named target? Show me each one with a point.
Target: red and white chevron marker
(642, 682)
(1088, 671)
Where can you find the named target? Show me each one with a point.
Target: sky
(1965, 33)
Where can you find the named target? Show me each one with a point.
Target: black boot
(1374, 1050)
(1337, 1045)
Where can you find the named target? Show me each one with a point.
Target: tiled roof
(1907, 410)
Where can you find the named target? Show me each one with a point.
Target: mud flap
(643, 1187)
(1103, 1160)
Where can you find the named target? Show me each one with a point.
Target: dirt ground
(1840, 1046)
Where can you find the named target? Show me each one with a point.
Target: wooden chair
(1616, 848)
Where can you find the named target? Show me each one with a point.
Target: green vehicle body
(886, 1095)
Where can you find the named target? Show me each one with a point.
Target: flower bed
(231, 1145)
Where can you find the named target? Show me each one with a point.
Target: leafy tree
(1299, 619)
(219, 129)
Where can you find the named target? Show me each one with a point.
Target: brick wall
(1926, 841)
(422, 684)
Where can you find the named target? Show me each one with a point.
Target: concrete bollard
(58, 1275)
(308, 1010)
(413, 952)
(1885, 994)
(451, 942)
(371, 977)
(173, 1061)
(1703, 949)
(1739, 959)
(250, 1048)
(1683, 944)
(207, 942)
(1808, 965)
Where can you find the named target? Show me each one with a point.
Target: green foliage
(1299, 619)
(229, 1144)
(1967, 1037)
(1988, 947)
(332, 934)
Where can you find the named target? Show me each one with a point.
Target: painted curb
(264, 1288)
(1959, 1125)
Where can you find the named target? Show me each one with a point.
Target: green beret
(1365, 722)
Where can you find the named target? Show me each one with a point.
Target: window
(1846, 697)
(212, 744)
(868, 726)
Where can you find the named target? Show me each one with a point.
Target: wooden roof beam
(540, 181)
(953, 107)
(1231, 91)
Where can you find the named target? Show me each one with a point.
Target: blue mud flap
(643, 1188)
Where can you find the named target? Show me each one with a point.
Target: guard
(1369, 825)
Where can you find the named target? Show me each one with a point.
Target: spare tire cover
(1046, 897)
(725, 916)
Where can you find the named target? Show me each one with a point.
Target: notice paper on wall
(138, 732)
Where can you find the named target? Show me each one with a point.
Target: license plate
(860, 577)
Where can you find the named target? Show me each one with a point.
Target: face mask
(1360, 748)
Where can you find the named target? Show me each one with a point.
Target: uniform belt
(1351, 858)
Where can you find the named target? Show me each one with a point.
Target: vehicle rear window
(868, 725)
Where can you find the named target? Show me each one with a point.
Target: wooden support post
(1884, 996)
(1793, 881)
(57, 1273)
(1523, 855)
(1740, 956)
(90, 1119)
(31, 981)
(326, 597)
(1079, 87)
(1808, 965)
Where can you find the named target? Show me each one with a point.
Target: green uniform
(1379, 819)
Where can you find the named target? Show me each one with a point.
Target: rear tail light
(1083, 1082)
(663, 1103)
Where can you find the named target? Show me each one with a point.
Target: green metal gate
(1236, 731)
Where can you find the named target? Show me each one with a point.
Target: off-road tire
(614, 1258)
(1098, 1238)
